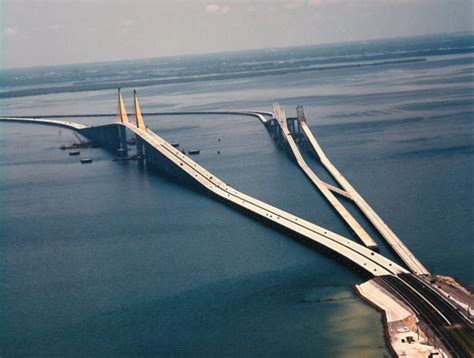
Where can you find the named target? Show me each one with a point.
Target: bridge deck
(322, 187)
(368, 260)
(392, 239)
(436, 311)
(52, 122)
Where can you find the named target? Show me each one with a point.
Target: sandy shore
(405, 335)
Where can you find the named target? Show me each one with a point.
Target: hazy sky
(66, 31)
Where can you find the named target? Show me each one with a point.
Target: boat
(133, 157)
(175, 144)
(74, 152)
(86, 160)
(193, 151)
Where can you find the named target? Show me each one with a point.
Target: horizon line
(5, 69)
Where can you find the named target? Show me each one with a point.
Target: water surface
(112, 259)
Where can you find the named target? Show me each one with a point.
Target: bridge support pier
(291, 125)
(157, 161)
(277, 134)
(274, 130)
(108, 136)
(295, 129)
(140, 151)
(123, 149)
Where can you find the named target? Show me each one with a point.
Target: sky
(51, 32)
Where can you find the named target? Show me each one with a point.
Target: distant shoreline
(145, 83)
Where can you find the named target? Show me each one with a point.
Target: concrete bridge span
(162, 155)
(428, 304)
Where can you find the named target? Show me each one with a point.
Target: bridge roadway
(348, 190)
(259, 114)
(450, 326)
(441, 315)
(280, 117)
(390, 237)
(45, 121)
(368, 260)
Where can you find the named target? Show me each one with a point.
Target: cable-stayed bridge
(407, 283)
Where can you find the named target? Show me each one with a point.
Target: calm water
(110, 259)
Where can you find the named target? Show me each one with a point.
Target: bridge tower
(297, 125)
(277, 127)
(140, 123)
(138, 113)
(275, 130)
(300, 114)
(122, 112)
(123, 117)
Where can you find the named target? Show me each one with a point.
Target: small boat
(193, 151)
(86, 160)
(175, 144)
(133, 157)
(63, 147)
(74, 152)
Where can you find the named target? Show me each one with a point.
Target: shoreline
(396, 315)
(405, 334)
(372, 304)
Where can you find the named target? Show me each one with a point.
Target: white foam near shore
(405, 337)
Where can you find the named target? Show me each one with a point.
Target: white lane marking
(423, 297)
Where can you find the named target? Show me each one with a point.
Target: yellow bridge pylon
(122, 112)
(138, 113)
